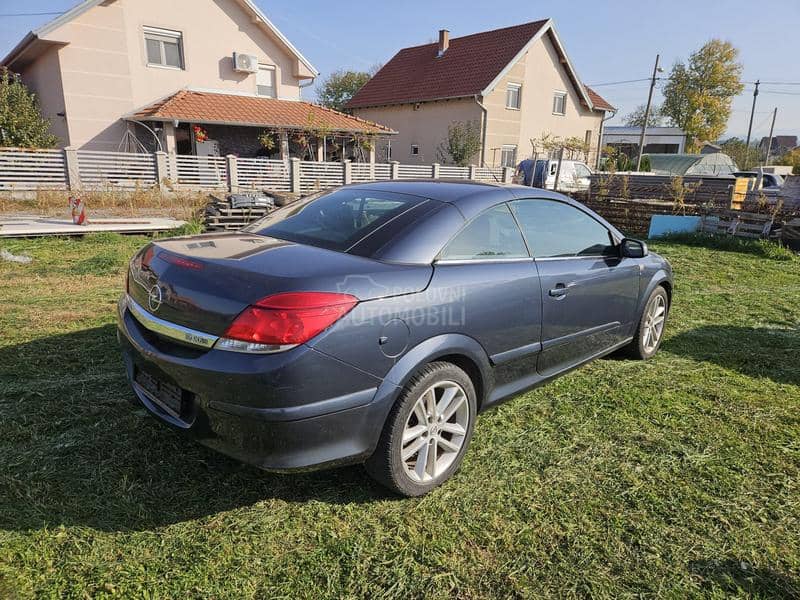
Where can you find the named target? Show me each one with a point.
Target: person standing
(525, 170)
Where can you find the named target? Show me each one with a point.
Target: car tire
(422, 444)
(642, 347)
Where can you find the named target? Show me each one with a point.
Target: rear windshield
(337, 220)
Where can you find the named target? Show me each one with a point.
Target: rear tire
(427, 432)
(650, 330)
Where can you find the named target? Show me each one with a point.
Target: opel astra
(374, 322)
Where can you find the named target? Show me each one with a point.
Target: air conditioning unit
(245, 63)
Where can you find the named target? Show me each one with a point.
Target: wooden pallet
(220, 216)
(738, 224)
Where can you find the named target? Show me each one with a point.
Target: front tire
(427, 432)
(650, 331)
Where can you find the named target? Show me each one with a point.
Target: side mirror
(631, 248)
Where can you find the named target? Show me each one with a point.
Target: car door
(589, 293)
(486, 275)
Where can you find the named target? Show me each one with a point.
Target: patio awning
(213, 108)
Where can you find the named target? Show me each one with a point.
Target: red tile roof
(230, 109)
(597, 100)
(467, 68)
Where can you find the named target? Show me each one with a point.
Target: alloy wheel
(435, 431)
(654, 323)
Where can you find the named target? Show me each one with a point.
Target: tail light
(284, 321)
(180, 261)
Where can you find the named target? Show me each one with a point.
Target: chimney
(444, 41)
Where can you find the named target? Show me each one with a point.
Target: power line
(594, 85)
(774, 82)
(37, 14)
(781, 93)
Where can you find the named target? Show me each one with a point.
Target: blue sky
(607, 41)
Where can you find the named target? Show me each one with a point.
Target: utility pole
(656, 71)
(750, 127)
(771, 131)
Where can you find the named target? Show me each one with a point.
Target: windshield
(337, 220)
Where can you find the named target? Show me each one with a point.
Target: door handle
(559, 291)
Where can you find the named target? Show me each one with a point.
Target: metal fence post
(508, 174)
(472, 172)
(233, 173)
(72, 169)
(394, 167)
(294, 175)
(162, 171)
(347, 172)
(435, 170)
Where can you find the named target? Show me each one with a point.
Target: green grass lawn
(672, 478)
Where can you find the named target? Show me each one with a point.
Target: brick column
(233, 173)
(294, 174)
(347, 172)
(162, 172)
(72, 169)
(472, 171)
(395, 169)
(435, 170)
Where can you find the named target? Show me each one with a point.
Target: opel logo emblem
(154, 298)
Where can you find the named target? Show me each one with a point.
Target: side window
(581, 171)
(164, 47)
(492, 234)
(556, 229)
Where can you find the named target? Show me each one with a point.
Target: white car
(575, 175)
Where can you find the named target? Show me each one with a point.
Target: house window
(164, 47)
(265, 81)
(414, 150)
(560, 103)
(508, 156)
(513, 94)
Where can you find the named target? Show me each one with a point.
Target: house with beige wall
(182, 76)
(517, 83)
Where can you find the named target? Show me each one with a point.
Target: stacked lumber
(237, 211)
(632, 217)
(699, 190)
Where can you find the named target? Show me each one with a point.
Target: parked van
(574, 177)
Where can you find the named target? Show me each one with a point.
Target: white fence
(102, 169)
(199, 172)
(29, 170)
(255, 173)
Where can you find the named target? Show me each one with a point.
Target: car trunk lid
(203, 282)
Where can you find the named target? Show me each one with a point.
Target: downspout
(484, 128)
(301, 86)
(600, 139)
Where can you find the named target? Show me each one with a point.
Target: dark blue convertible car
(372, 323)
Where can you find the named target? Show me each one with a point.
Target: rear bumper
(294, 410)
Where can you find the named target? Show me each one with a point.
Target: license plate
(167, 395)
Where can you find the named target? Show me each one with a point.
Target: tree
(636, 118)
(462, 144)
(791, 159)
(698, 95)
(736, 148)
(21, 121)
(339, 87)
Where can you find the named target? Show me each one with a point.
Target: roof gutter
(19, 49)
